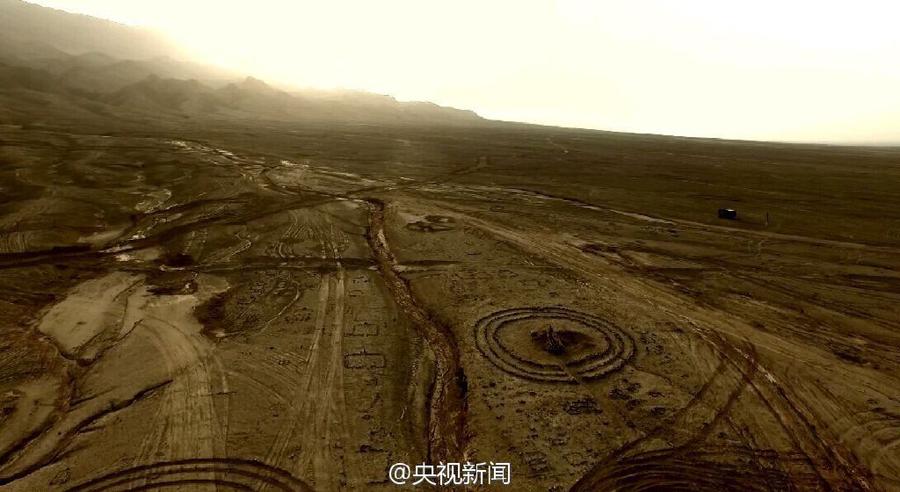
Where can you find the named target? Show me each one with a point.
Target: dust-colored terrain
(296, 307)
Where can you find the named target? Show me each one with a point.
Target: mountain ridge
(36, 56)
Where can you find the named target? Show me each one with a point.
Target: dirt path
(447, 403)
(298, 415)
(319, 417)
(705, 226)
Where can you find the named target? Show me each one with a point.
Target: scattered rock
(586, 405)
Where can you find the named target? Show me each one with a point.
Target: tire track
(241, 474)
(186, 424)
(322, 411)
(688, 463)
(327, 413)
(278, 452)
(328, 417)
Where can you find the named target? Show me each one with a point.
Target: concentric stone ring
(552, 344)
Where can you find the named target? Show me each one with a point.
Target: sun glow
(763, 70)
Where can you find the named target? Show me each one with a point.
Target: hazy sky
(767, 69)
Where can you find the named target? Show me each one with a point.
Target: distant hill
(360, 101)
(27, 78)
(54, 64)
(22, 23)
(172, 95)
(117, 74)
(255, 96)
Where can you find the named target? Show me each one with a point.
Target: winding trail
(446, 417)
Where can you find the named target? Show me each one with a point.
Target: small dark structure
(550, 340)
(728, 213)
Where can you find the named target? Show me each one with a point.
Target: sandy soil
(299, 310)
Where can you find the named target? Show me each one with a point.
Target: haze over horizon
(804, 71)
